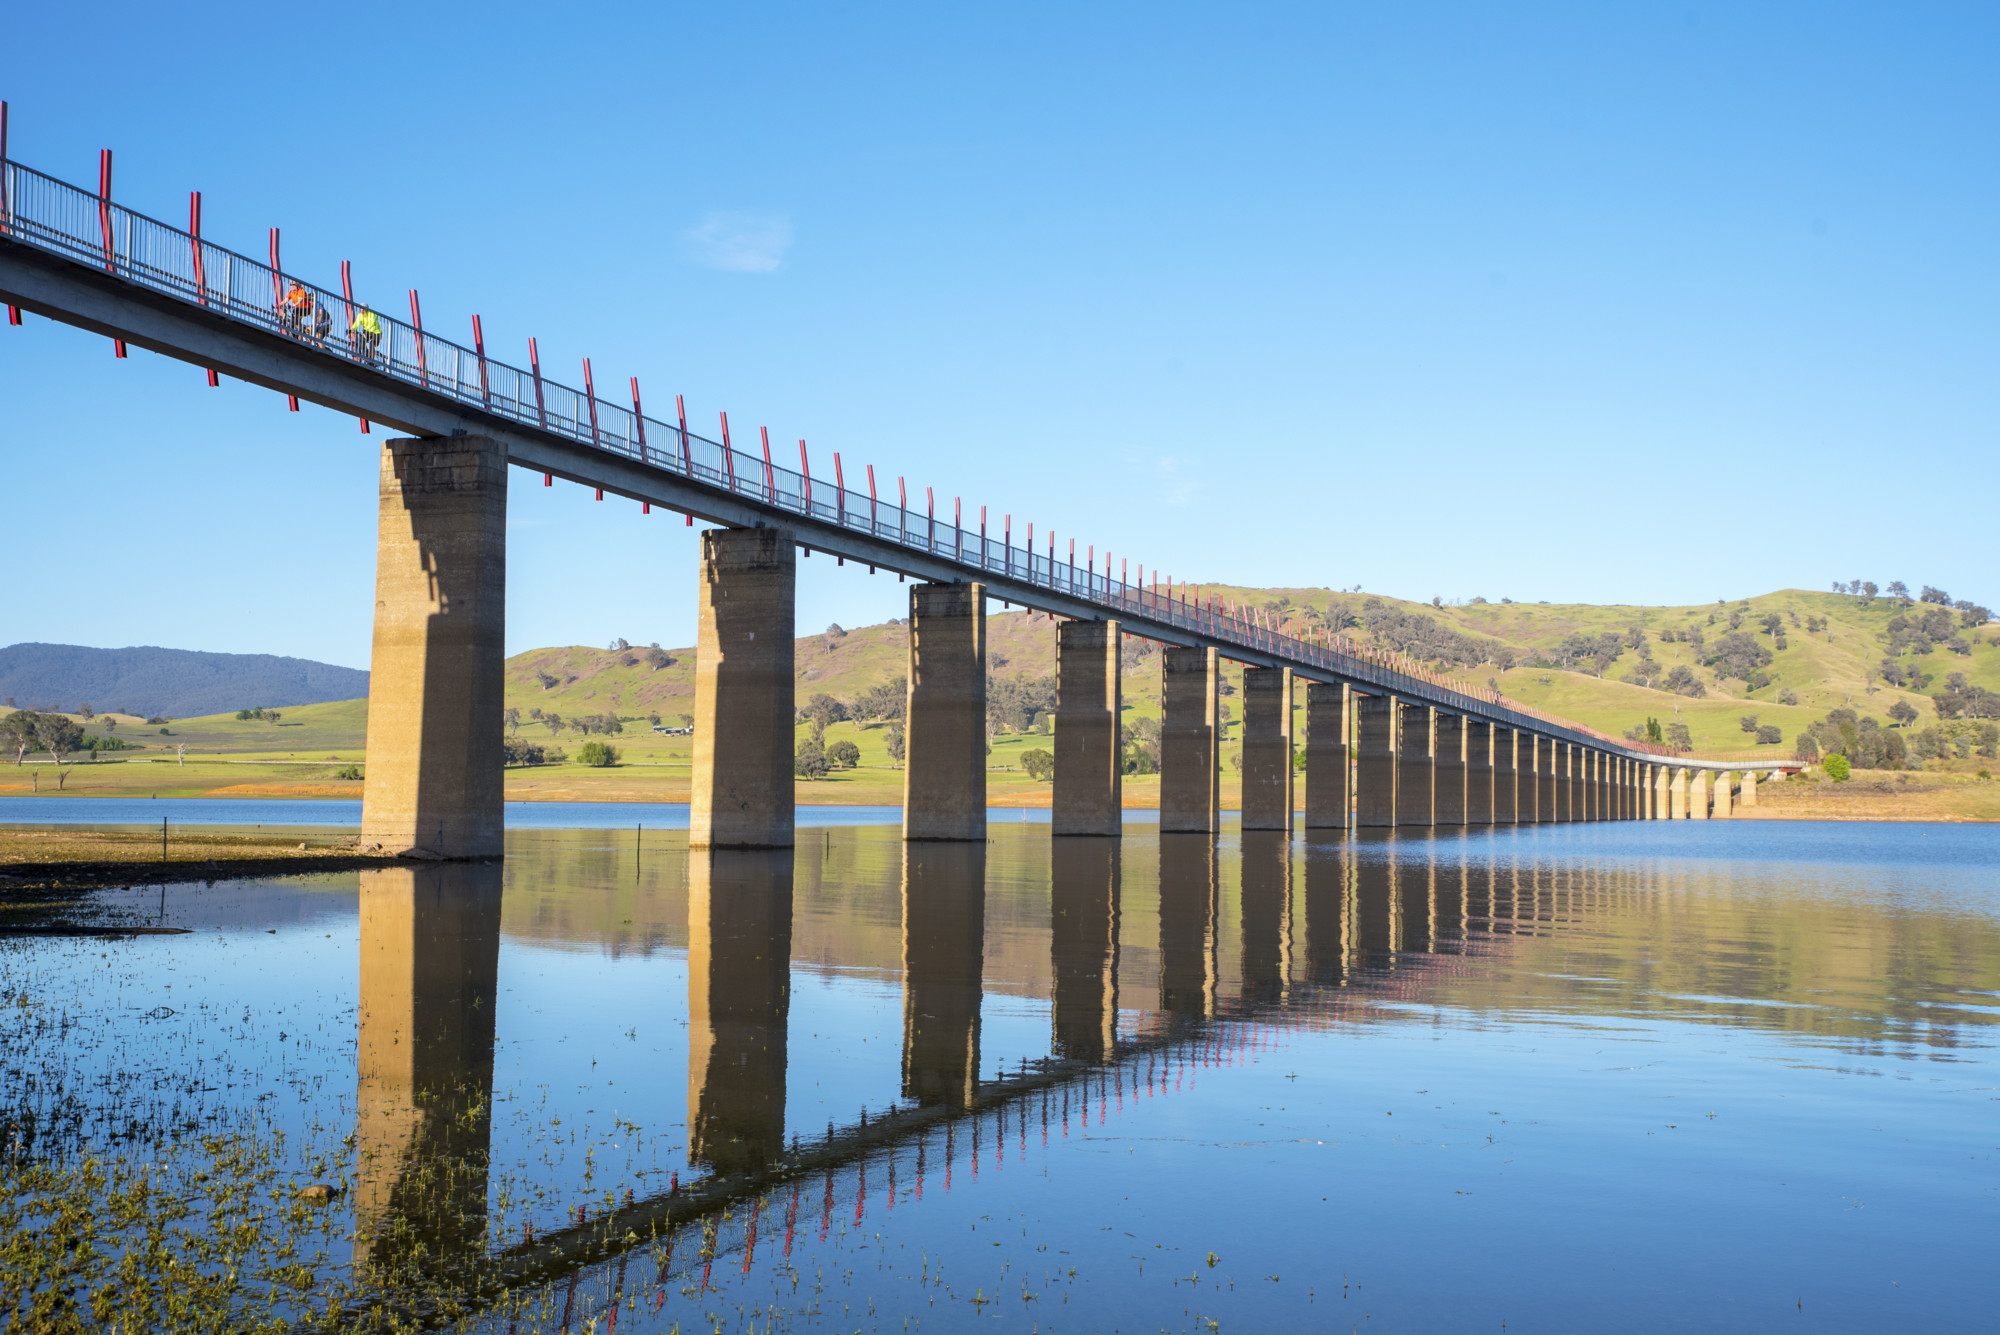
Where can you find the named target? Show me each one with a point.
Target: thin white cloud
(739, 242)
(1178, 484)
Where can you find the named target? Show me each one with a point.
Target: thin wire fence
(84, 227)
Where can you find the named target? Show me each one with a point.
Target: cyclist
(366, 331)
(322, 323)
(298, 305)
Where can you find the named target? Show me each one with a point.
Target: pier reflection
(429, 964)
(944, 940)
(1083, 912)
(739, 1000)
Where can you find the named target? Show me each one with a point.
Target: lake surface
(1653, 1077)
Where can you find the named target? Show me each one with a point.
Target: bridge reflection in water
(1155, 959)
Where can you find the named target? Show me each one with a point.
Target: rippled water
(1643, 1076)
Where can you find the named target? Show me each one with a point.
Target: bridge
(1388, 743)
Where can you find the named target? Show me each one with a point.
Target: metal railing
(89, 229)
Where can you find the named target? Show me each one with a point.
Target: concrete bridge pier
(1548, 780)
(1449, 768)
(1416, 767)
(1089, 781)
(1328, 718)
(1375, 742)
(1700, 797)
(1750, 781)
(1528, 760)
(743, 691)
(1506, 775)
(436, 671)
(1663, 793)
(1267, 749)
(1722, 795)
(944, 944)
(1190, 743)
(944, 773)
(1479, 771)
(1680, 794)
(739, 999)
(1083, 895)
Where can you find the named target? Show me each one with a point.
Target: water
(1640, 1076)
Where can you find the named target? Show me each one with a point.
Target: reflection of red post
(194, 240)
(417, 322)
(104, 207)
(535, 369)
(479, 350)
(639, 417)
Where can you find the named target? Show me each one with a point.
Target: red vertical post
(871, 498)
(479, 351)
(590, 399)
(277, 277)
(1007, 543)
(770, 478)
(839, 488)
(930, 521)
(639, 417)
(417, 323)
(806, 472)
(194, 241)
(535, 369)
(104, 207)
(687, 455)
(728, 453)
(902, 508)
(6, 198)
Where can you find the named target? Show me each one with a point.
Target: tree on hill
(1931, 595)
(1900, 592)
(512, 718)
(1014, 703)
(58, 735)
(1903, 713)
(844, 753)
(885, 700)
(809, 761)
(895, 741)
(1738, 655)
(822, 711)
(1678, 737)
(18, 732)
(657, 658)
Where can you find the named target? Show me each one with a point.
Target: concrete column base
(1703, 789)
(944, 770)
(1267, 749)
(1190, 743)
(743, 691)
(1722, 781)
(1506, 775)
(1328, 800)
(1375, 741)
(436, 675)
(1449, 768)
(1749, 793)
(1478, 771)
(1089, 781)
(1416, 767)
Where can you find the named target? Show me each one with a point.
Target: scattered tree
(58, 735)
(1770, 735)
(1748, 723)
(1837, 768)
(599, 755)
(1903, 713)
(18, 731)
(1678, 738)
(894, 740)
(809, 761)
(844, 753)
(1039, 764)
(545, 679)
(512, 717)
(821, 711)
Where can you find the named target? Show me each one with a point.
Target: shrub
(515, 752)
(348, 772)
(1769, 734)
(1039, 764)
(599, 755)
(1837, 768)
(809, 761)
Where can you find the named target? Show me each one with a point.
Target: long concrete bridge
(1388, 743)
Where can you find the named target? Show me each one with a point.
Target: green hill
(1828, 654)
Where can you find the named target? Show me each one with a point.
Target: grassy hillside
(1832, 654)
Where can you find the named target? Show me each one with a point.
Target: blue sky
(1568, 302)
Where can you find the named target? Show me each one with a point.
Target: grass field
(303, 751)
